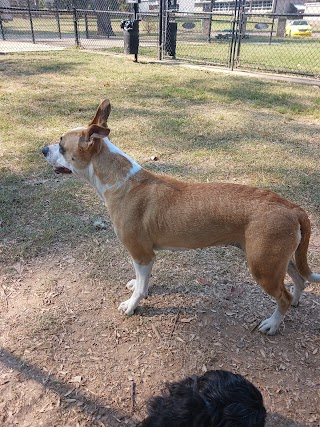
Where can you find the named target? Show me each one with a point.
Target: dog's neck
(111, 170)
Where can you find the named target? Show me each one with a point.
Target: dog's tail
(302, 250)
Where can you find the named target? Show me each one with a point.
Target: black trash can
(131, 36)
(171, 39)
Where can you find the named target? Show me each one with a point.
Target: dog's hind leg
(283, 297)
(139, 285)
(298, 281)
(269, 259)
(269, 270)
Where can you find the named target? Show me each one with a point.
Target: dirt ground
(69, 358)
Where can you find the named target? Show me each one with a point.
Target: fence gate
(201, 35)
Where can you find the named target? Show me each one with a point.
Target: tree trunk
(103, 18)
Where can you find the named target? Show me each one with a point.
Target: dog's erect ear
(102, 114)
(92, 137)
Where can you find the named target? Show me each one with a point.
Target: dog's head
(77, 146)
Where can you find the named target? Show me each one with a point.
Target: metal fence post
(75, 23)
(86, 23)
(165, 20)
(232, 45)
(242, 25)
(271, 31)
(2, 29)
(160, 41)
(136, 11)
(31, 23)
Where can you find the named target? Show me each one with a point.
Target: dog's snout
(45, 151)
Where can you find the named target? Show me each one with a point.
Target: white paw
(126, 308)
(131, 284)
(269, 326)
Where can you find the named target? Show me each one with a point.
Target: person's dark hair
(215, 399)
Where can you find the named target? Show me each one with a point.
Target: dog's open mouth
(62, 170)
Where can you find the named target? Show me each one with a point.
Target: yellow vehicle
(298, 29)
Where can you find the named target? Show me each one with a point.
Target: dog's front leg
(139, 285)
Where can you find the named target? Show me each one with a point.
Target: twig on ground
(255, 327)
(156, 332)
(133, 396)
(5, 297)
(174, 324)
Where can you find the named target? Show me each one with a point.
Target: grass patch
(290, 55)
(296, 56)
(202, 126)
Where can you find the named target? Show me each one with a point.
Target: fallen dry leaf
(204, 281)
(76, 379)
(187, 320)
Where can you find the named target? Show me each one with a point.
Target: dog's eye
(72, 158)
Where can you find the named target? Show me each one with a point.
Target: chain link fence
(287, 40)
(275, 35)
(88, 24)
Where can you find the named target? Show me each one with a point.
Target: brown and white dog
(152, 212)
